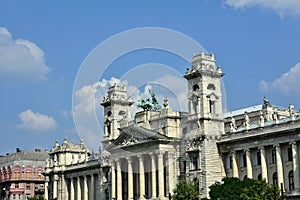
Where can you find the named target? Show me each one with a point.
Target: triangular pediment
(135, 135)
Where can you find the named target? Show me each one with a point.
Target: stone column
(249, 164)
(85, 188)
(64, 193)
(296, 166)
(72, 196)
(198, 105)
(55, 186)
(279, 165)
(160, 166)
(153, 173)
(113, 181)
(264, 169)
(46, 188)
(130, 179)
(99, 184)
(78, 189)
(191, 106)
(235, 171)
(142, 177)
(119, 180)
(92, 188)
(171, 162)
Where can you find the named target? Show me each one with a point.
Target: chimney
(18, 150)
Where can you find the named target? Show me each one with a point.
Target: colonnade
(264, 165)
(81, 187)
(147, 176)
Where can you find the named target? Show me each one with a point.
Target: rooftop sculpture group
(147, 105)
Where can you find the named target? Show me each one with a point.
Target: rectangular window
(273, 156)
(16, 185)
(195, 163)
(229, 162)
(27, 186)
(211, 106)
(290, 154)
(258, 157)
(243, 161)
(28, 175)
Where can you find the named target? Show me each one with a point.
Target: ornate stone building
(72, 172)
(22, 174)
(145, 157)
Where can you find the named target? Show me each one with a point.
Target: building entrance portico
(137, 177)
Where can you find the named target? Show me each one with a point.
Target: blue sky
(44, 43)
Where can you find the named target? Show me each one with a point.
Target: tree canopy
(247, 189)
(186, 190)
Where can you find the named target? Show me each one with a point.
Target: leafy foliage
(36, 198)
(248, 189)
(186, 190)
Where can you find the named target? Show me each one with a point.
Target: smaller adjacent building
(21, 174)
(72, 172)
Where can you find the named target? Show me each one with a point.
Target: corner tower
(116, 112)
(205, 121)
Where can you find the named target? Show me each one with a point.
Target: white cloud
(36, 121)
(176, 89)
(65, 113)
(21, 59)
(281, 7)
(287, 83)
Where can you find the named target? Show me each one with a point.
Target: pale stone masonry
(145, 157)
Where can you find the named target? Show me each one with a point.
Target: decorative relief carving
(195, 144)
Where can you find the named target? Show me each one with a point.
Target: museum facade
(144, 157)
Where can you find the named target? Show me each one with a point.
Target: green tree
(186, 190)
(36, 198)
(248, 189)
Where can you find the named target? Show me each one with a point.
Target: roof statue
(147, 105)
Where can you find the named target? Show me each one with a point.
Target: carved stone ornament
(129, 141)
(195, 144)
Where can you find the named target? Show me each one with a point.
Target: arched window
(275, 179)
(291, 180)
(259, 177)
(211, 87)
(195, 87)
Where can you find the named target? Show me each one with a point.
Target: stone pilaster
(142, 177)
(64, 193)
(130, 178)
(78, 189)
(54, 190)
(113, 181)
(85, 188)
(279, 165)
(153, 173)
(46, 188)
(92, 188)
(264, 169)
(235, 171)
(119, 180)
(160, 165)
(296, 166)
(249, 164)
(171, 167)
(72, 194)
